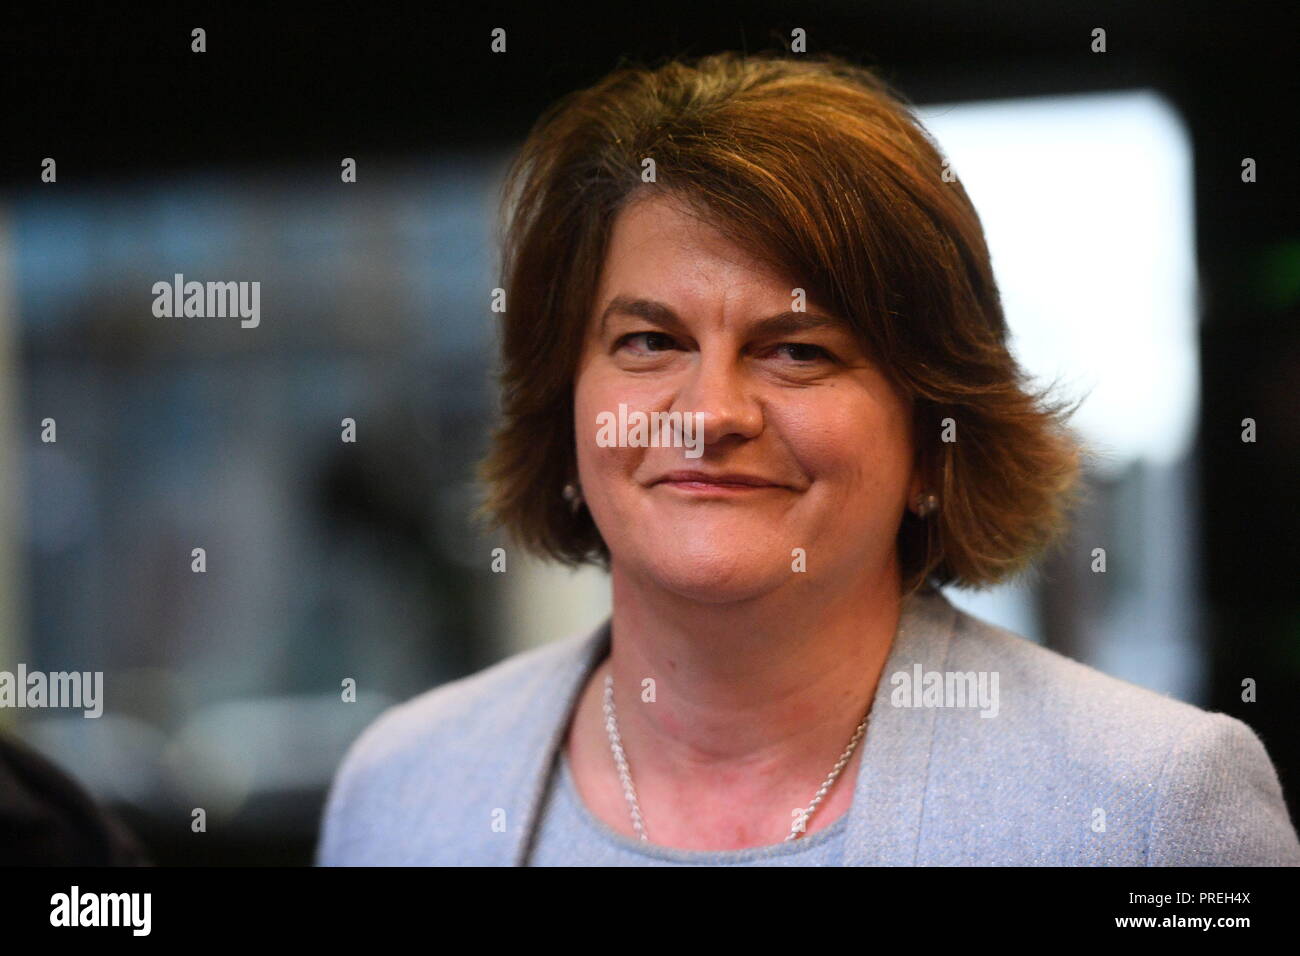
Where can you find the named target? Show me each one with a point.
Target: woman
(770, 256)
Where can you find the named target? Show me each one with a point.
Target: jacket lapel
(884, 827)
(540, 732)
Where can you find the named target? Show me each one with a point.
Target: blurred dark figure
(47, 819)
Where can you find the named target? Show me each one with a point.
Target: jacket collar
(884, 821)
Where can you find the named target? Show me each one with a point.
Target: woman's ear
(916, 483)
(923, 457)
(915, 487)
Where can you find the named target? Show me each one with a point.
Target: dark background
(118, 98)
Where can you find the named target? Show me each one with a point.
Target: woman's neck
(732, 715)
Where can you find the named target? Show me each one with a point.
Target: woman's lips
(715, 487)
(696, 483)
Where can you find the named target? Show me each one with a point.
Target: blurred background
(1136, 266)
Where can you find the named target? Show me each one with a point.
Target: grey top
(569, 834)
(1075, 768)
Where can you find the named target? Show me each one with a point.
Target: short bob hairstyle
(816, 166)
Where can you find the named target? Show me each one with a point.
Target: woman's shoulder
(473, 706)
(483, 731)
(1059, 693)
(1072, 728)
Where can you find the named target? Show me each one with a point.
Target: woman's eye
(804, 353)
(650, 343)
(653, 341)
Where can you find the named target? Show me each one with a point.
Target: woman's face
(685, 321)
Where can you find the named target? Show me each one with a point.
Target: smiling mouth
(715, 487)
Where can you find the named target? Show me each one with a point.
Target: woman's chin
(717, 576)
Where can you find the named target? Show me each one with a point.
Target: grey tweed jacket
(1075, 768)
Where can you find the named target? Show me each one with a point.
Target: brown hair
(819, 168)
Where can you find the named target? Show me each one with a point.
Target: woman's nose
(720, 390)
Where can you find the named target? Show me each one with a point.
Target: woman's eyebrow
(783, 323)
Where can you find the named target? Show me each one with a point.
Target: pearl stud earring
(926, 504)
